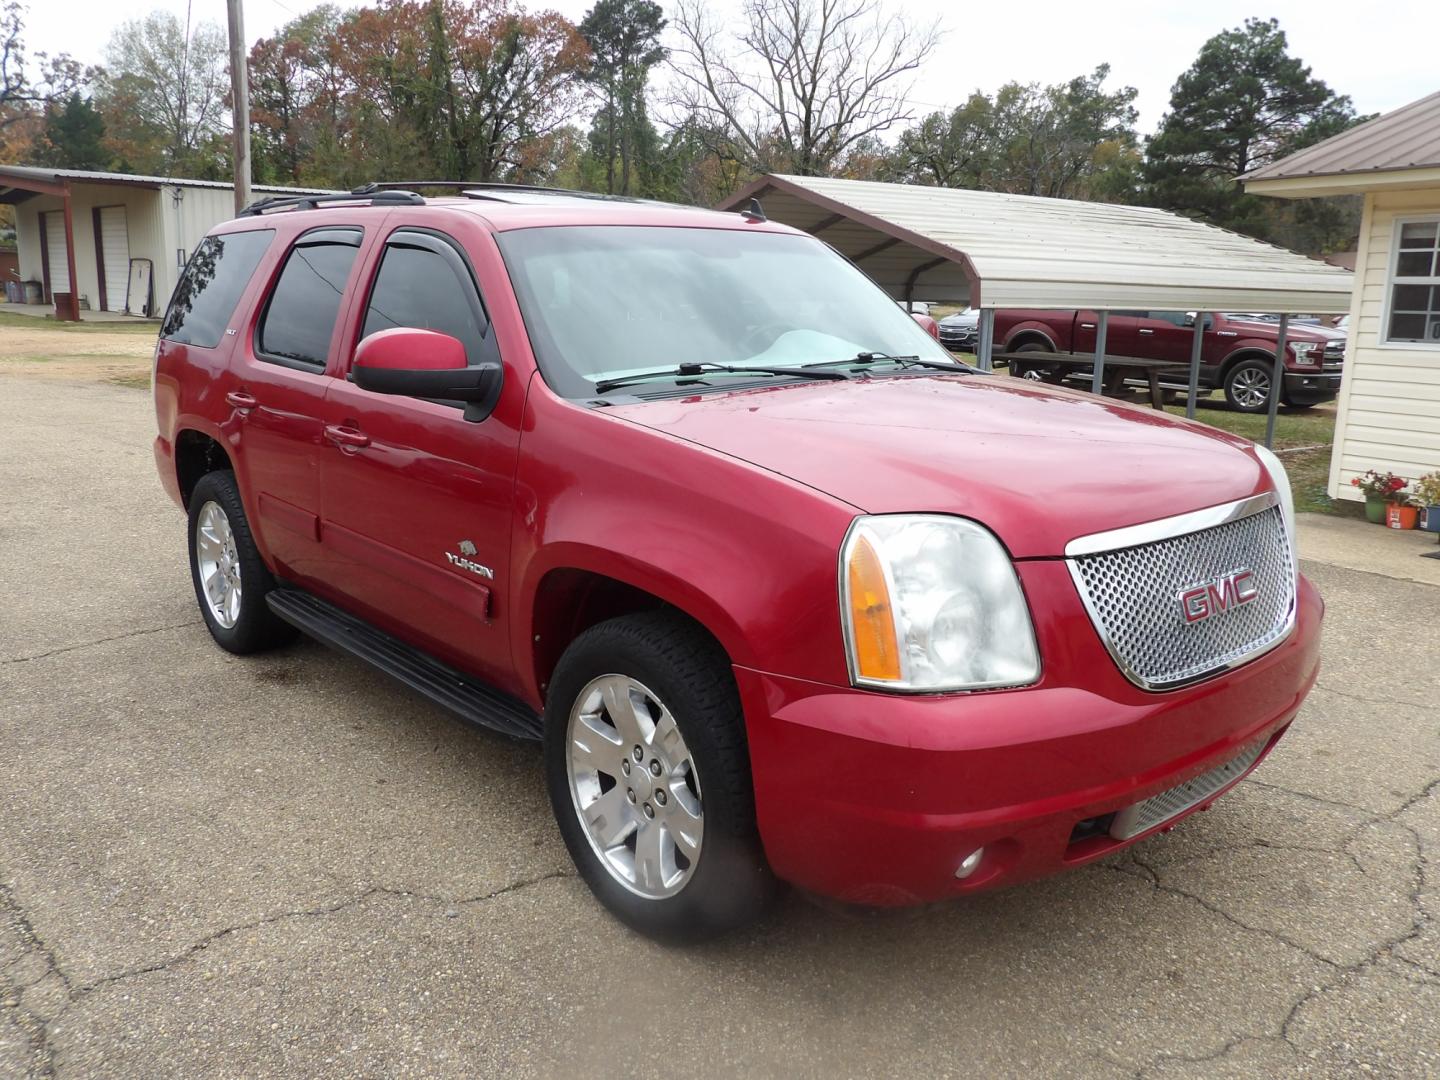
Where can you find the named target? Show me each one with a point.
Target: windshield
(606, 302)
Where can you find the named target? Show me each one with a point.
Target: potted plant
(1427, 495)
(1380, 489)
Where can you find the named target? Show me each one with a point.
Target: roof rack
(378, 197)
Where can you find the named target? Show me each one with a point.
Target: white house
(129, 236)
(1389, 410)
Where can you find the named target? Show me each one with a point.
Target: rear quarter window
(211, 285)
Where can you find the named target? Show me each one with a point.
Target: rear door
(277, 394)
(418, 499)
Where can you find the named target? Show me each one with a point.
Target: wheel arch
(197, 453)
(1029, 335)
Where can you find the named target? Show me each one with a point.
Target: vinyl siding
(1389, 410)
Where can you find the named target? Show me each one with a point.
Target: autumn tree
(294, 94)
(163, 95)
(1243, 103)
(624, 41)
(28, 86)
(795, 85)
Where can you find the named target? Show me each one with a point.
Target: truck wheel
(229, 575)
(649, 777)
(1247, 386)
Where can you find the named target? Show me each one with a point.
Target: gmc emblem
(1221, 594)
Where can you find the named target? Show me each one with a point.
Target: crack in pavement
(37, 1028)
(1371, 700)
(97, 641)
(1337, 972)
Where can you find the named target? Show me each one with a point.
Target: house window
(1415, 284)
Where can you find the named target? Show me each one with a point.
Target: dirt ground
(83, 354)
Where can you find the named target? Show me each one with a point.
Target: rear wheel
(1247, 386)
(649, 777)
(229, 576)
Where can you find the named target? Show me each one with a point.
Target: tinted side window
(211, 285)
(300, 317)
(428, 287)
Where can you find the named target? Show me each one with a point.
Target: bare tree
(801, 82)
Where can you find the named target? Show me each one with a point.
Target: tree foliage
(73, 136)
(28, 87)
(624, 41)
(1242, 104)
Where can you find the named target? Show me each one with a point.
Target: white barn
(1389, 411)
(129, 235)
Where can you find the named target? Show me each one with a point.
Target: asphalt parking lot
(214, 866)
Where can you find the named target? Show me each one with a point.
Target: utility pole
(240, 94)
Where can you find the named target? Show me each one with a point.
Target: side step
(467, 697)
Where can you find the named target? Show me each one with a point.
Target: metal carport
(994, 251)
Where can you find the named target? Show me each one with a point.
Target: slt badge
(467, 547)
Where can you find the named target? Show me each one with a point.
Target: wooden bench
(1056, 367)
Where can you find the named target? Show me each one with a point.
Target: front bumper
(876, 798)
(1310, 389)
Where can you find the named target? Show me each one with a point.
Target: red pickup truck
(784, 592)
(1237, 354)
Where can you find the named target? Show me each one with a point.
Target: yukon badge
(1218, 595)
(467, 547)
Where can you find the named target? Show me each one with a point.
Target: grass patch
(148, 327)
(138, 381)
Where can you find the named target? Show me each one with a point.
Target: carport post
(985, 347)
(1275, 376)
(1102, 325)
(74, 313)
(1195, 346)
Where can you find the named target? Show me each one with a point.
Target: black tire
(1032, 346)
(730, 883)
(1241, 382)
(255, 628)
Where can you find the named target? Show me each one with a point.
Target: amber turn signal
(872, 621)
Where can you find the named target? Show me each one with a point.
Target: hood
(962, 318)
(1038, 465)
(1296, 331)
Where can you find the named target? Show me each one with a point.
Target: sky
(1381, 52)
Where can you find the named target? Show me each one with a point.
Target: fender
(749, 554)
(1032, 327)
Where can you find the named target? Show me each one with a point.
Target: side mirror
(927, 324)
(1189, 318)
(425, 364)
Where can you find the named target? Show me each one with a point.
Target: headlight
(932, 603)
(1281, 480)
(1306, 352)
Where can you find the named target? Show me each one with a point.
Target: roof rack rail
(407, 185)
(312, 202)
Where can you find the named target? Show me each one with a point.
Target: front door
(417, 499)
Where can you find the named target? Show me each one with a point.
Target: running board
(466, 697)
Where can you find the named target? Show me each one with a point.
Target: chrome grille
(1133, 592)
(1158, 809)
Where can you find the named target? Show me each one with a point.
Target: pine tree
(72, 137)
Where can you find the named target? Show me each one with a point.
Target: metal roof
(1022, 251)
(1408, 138)
(89, 176)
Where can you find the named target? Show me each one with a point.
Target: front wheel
(649, 777)
(1247, 387)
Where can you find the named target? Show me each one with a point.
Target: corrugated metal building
(115, 219)
(1389, 411)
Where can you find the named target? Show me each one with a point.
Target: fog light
(970, 863)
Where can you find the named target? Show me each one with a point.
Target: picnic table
(1056, 367)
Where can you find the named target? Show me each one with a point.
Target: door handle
(240, 400)
(1087, 326)
(347, 438)
(1147, 331)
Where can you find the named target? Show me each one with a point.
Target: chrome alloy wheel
(1250, 387)
(219, 564)
(634, 786)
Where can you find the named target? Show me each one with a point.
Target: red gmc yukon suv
(785, 592)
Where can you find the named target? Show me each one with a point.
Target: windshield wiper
(604, 386)
(869, 357)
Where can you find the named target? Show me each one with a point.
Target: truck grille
(1137, 592)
